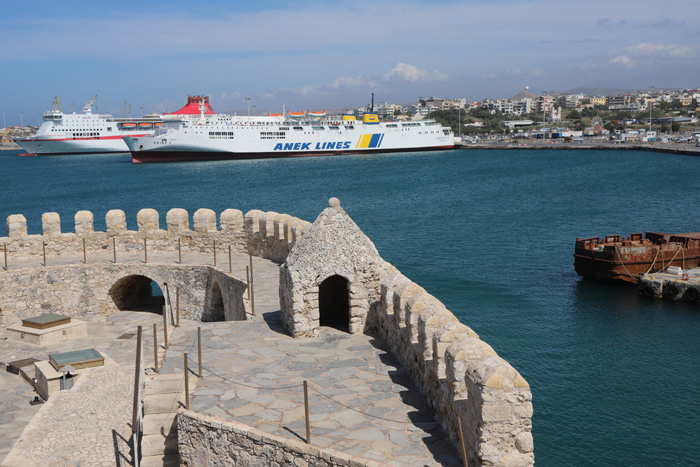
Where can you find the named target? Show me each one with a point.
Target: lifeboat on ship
(145, 125)
(128, 125)
(275, 115)
(296, 115)
(316, 114)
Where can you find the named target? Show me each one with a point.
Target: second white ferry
(89, 133)
(220, 136)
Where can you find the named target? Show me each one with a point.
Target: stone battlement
(269, 235)
(329, 271)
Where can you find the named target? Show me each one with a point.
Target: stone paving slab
(89, 425)
(361, 400)
(15, 410)
(103, 334)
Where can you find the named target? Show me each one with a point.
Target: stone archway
(216, 310)
(334, 303)
(137, 293)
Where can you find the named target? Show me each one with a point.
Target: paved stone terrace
(364, 380)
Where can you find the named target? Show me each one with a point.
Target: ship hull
(199, 155)
(223, 137)
(626, 259)
(49, 147)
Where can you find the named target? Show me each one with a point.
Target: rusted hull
(617, 258)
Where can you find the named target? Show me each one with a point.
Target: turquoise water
(490, 233)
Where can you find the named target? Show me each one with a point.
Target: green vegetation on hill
(574, 119)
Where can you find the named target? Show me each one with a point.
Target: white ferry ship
(89, 133)
(220, 136)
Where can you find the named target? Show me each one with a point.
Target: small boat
(275, 115)
(616, 258)
(146, 124)
(296, 115)
(128, 125)
(316, 114)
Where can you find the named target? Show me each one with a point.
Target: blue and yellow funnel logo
(370, 141)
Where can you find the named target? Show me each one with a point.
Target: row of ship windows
(272, 135)
(221, 135)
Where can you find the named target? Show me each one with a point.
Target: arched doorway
(334, 303)
(137, 293)
(215, 311)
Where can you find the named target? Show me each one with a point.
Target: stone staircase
(164, 394)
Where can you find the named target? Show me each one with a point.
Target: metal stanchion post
(252, 286)
(247, 281)
(199, 350)
(168, 302)
(177, 305)
(155, 347)
(306, 413)
(187, 386)
(252, 295)
(165, 328)
(464, 448)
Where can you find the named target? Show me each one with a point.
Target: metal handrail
(137, 412)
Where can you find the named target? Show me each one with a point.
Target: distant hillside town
(638, 115)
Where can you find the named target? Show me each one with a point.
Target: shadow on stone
(273, 319)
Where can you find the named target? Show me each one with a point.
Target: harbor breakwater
(469, 386)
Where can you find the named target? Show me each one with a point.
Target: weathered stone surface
(51, 224)
(16, 226)
(84, 223)
(178, 221)
(461, 376)
(147, 220)
(205, 440)
(231, 221)
(204, 220)
(116, 222)
(334, 246)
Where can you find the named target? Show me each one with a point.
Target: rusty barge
(617, 258)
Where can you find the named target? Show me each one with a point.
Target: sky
(333, 54)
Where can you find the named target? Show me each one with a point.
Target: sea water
(491, 234)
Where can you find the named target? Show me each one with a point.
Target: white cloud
(662, 50)
(623, 60)
(413, 74)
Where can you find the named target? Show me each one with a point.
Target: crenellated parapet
(464, 379)
(266, 234)
(468, 385)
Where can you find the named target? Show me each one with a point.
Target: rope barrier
(295, 386)
(623, 264)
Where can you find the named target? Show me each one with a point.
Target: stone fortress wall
(466, 382)
(102, 287)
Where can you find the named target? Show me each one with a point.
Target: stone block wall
(209, 441)
(266, 234)
(82, 290)
(463, 378)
